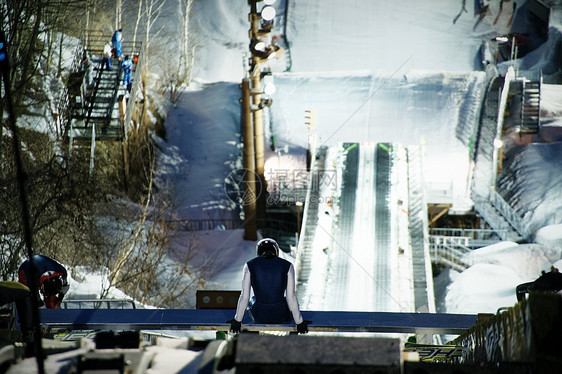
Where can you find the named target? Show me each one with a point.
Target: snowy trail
(362, 251)
(360, 274)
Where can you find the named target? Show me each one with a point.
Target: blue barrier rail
(215, 319)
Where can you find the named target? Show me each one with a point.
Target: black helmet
(267, 248)
(51, 285)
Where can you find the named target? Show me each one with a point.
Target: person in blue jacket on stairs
(117, 41)
(127, 66)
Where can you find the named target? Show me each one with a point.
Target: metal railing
(530, 102)
(64, 105)
(509, 214)
(473, 234)
(308, 231)
(488, 203)
(449, 251)
(98, 303)
(209, 224)
(417, 224)
(93, 42)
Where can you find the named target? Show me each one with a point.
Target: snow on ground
(201, 148)
(229, 251)
(482, 288)
(527, 260)
(334, 41)
(382, 36)
(87, 284)
(550, 235)
(373, 40)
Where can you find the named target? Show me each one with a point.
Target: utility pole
(249, 163)
(310, 122)
(25, 215)
(257, 115)
(259, 142)
(253, 102)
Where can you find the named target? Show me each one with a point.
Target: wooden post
(122, 107)
(93, 149)
(125, 162)
(259, 143)
(249, 194)
(257, 114)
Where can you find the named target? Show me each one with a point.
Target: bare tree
(176, 73)
(118, 12)
(125, 254)
(187, 51)
(148, 267)
(60, 201)
(137, 21)
(66, 202)
(153, 8)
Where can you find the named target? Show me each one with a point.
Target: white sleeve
(291, 296)
(244, 296)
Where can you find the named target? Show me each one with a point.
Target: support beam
(259, 148)
(215, 319)
(249, 163)
(434, 217)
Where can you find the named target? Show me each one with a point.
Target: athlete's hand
(235, 326)
(302, 328)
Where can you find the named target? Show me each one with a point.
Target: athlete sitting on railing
(273, 281)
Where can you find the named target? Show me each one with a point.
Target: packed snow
(345, 60)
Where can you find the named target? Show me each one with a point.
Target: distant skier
(551, 281)
(107, 52)
(273, 281)
(127, 66)
(50, 279)
(88, 69)
(117, 41)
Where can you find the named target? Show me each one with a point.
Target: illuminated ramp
(360, 273)
(338, 272)
(383, 264)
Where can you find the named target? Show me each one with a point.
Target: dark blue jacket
(117, 41)
(42, 264)
(269, 282)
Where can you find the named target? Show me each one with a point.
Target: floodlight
(498, 143)
(268, 13)
(269, 89)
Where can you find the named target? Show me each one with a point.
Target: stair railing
(449, 251)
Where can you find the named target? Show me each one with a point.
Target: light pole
(261, 24)
(249, 182)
